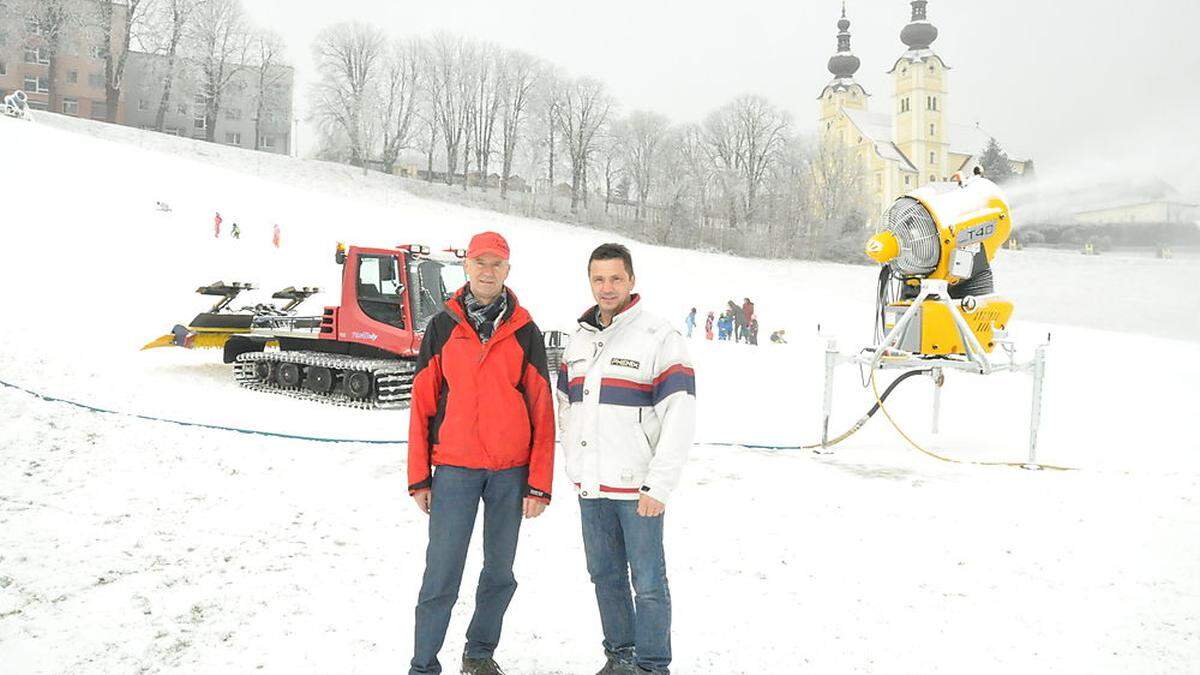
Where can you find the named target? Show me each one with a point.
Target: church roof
(965, 139)
(878, 128)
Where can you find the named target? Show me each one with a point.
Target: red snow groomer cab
(363, 352)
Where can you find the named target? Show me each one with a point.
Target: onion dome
(843, 64)
(919, 33)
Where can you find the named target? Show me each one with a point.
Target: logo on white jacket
(626, 363)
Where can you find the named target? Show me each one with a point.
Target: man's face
(486, 275)
(612, 285)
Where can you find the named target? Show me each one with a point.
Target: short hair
(613, 252)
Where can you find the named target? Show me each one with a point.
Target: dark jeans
(456, 496)
(618, 542)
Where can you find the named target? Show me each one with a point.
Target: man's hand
(649, 506)
(423, 499)
(533, 507)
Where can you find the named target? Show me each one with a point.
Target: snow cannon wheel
(262, 371)
(358, 385)
(319, 379)
(289, 374)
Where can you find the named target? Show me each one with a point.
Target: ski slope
(128, 544)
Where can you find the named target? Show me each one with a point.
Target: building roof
(878, 128)
(965, 139)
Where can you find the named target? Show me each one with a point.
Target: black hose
(874, 409)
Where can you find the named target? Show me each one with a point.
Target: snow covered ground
(131, 545)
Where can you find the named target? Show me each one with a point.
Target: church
(913, 145)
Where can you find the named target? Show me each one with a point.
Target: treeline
(472, 110)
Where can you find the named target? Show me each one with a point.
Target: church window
(932, 178)
(907, 180)
(935, 103)
(930, 129)
(931, 158)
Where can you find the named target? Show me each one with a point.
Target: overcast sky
(1084, 87)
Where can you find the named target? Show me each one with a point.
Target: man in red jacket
(481, 427)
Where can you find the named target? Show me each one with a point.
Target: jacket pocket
(642, 444)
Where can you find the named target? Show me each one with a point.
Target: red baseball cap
(487, 242)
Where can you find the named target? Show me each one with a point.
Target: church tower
(842, 91)
(920, 100)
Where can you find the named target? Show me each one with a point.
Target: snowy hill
(128, 544)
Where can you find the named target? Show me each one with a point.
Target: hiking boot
(484, 666)
(618, 667)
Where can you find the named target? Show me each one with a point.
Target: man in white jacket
(627, 395)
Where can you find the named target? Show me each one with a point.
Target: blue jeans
(618, 542)
(455, 501)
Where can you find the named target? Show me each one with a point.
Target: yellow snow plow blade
(193, 339)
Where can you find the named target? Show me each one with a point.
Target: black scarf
(484, 318)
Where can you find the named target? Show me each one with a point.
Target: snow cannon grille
(917, 234)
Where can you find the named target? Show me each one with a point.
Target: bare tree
(611, 146)
(398, 99)
(838, 192)
(115, 31)
(426, 105)
(167, 25)
(348, 57)
(488, 96)
(220, 45)
(644, 136)
(522, 73)
(547, 100)
(585, 108)
(48, 24)
(694, 162)
(270, 71)
(448, 55)
(744, 139)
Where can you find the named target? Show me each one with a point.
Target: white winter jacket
(627, 406)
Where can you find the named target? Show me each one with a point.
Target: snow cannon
(16, 105)
(936, 310)
(936, 293)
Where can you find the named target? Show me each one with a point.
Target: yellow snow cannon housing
(945, 232)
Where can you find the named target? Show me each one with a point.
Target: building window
(268, 142)
(30, 55)
(96, 80)
(935, 103)
(931, 160)
(930, 129)
(233, 137)
(3, 68)
(174, 131)
(73, 77)
(99, 110)
(932, 178)
(907, 180)
(200, 122)
(70, 106)
(143, 104)
(33, 26)
(98, 52)
(40, 85)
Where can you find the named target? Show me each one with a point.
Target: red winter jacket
(482, 406)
